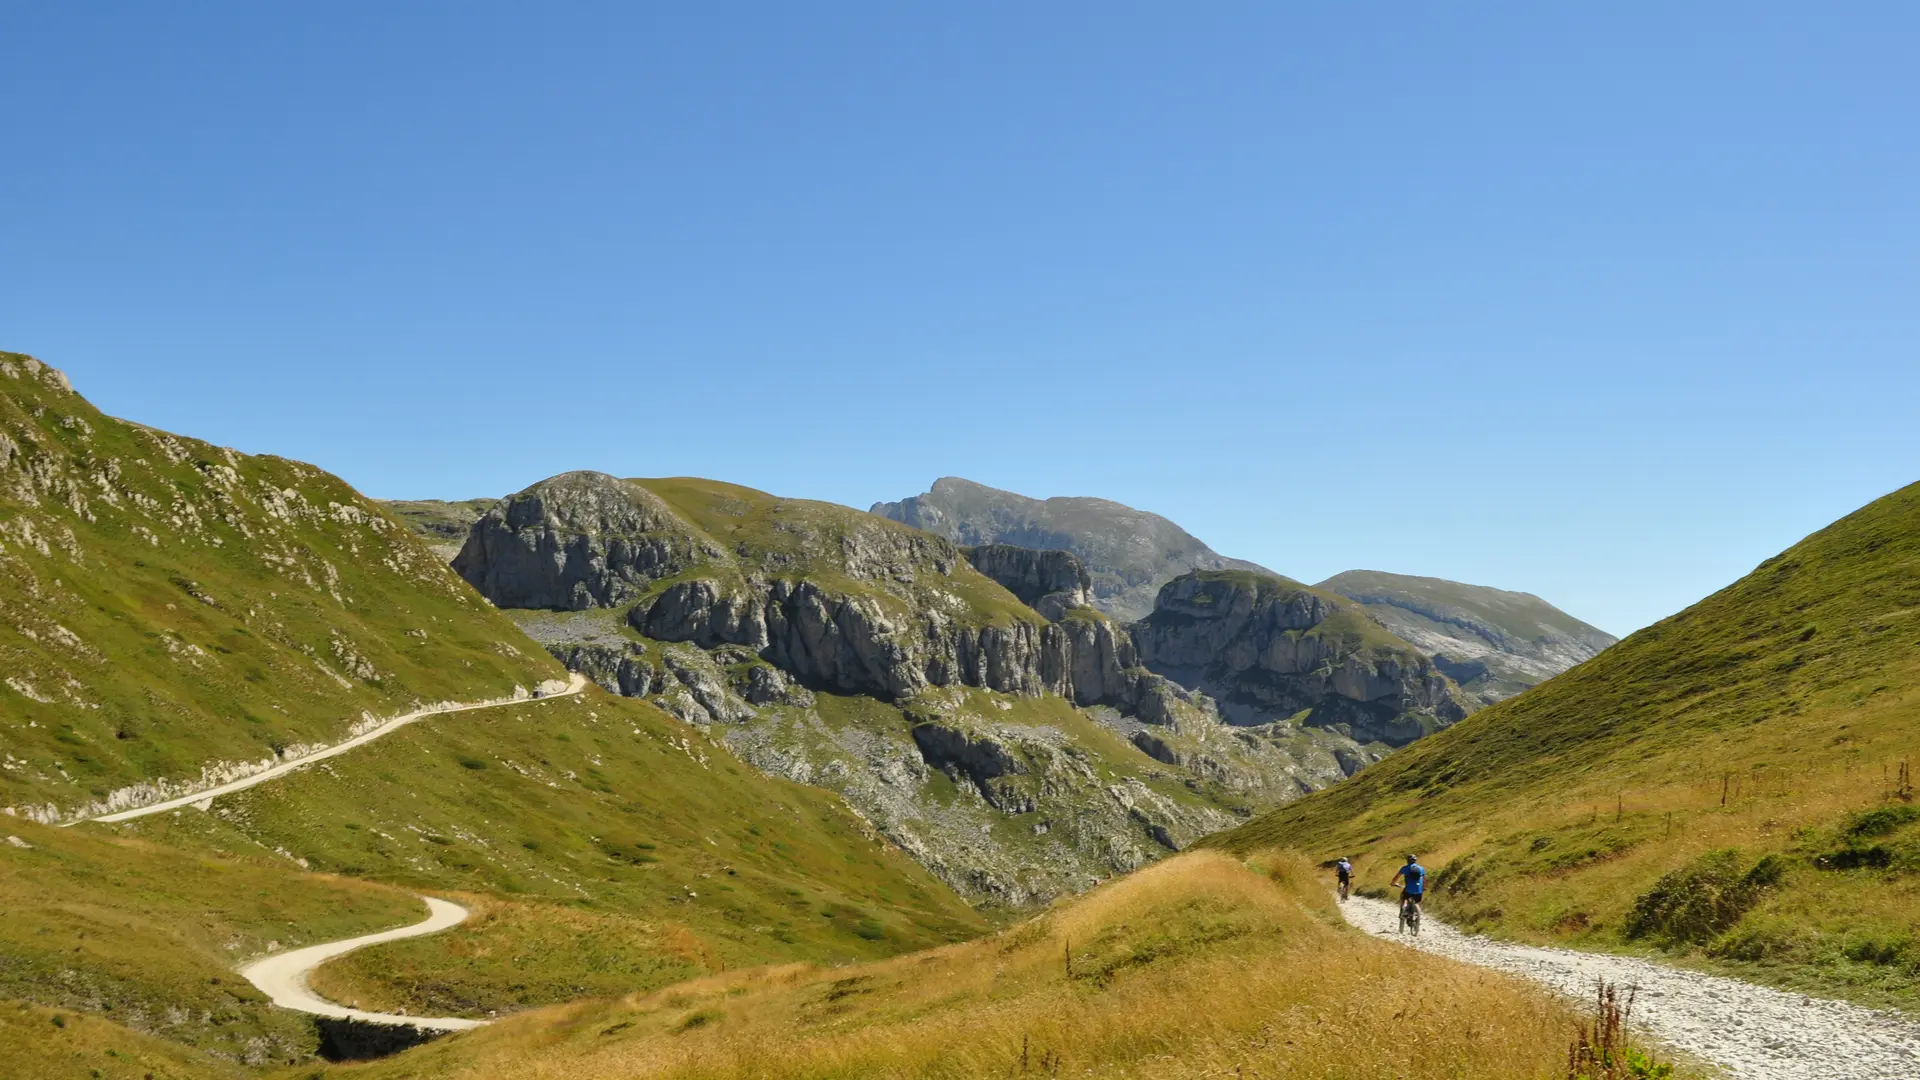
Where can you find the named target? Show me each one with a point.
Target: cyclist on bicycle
(1343, 870)
(1415, 877)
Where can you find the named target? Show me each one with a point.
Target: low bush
(1701, 900)
(1882, 821)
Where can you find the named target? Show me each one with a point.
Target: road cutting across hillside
(575, 683)
(283, 976)
(1755, 1032)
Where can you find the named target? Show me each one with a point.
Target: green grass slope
(39, 1043)
(1725, 785)
(148, 937)
(168, 606)
(605, 846)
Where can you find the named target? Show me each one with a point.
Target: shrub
(1699, 901)
(1881, 821)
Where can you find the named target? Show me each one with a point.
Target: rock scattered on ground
(1756, 1032)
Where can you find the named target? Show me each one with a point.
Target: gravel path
(1755, 1032)
(283, 976)
(575, 683)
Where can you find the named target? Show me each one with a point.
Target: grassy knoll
(1724, 785)
(1198, 966)
(606, 845)
(148, 937)
(166, 605)
(56, 1044)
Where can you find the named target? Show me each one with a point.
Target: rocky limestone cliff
(835, 599)
(1051, 582)
(578, 540)
(1267, 648)
(1128, 553)
(1494, 643)
(1016, 756)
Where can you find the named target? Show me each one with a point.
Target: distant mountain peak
(1130, 553)
(1494, 642)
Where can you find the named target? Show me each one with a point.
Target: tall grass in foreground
(1201, 966)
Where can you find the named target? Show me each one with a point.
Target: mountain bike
(1409, 916)
(1345, 886)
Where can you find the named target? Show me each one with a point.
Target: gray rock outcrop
(1051, 582)
(1128, 553)
(578, 540)
(1267, 648)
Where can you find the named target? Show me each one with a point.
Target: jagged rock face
(854, 644)
(578, 540)
(1050, 582)
(586, 539)
(616, 669)
(1268, 648)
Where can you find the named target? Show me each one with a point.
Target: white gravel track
(575, 683)
(283, 976)
(1755, 1032)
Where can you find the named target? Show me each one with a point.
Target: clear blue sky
(1607, 305)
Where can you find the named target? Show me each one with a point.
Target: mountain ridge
(1128, 565)
(1494, 642)
(1019, 755)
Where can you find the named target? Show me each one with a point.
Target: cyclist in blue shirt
(1415, 876)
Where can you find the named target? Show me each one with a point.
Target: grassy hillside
(171, 611)
(55, 1044)
(148, 937)
(605, 846)
(168, 606)
(1726, 785)
(1196, 967)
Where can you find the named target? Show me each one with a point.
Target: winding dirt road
(283, 976)
(575, 683)
(1757, 1033)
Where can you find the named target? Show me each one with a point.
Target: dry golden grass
(1201, 966)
